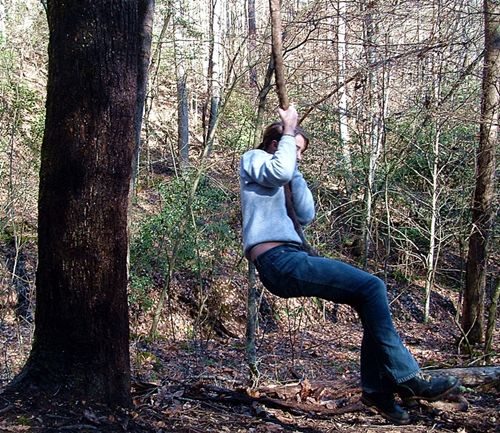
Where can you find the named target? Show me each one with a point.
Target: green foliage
(415, 236)
(400, 277)
(416, 138)
(24, 420)
(409, 175)
(239, 111)
(412, 176)
(188, 234)
(139, 295)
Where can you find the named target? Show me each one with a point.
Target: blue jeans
(287, 271)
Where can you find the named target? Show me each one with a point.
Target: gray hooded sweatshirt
(262, 177)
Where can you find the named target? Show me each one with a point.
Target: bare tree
(215, 75)
(433, 182)
(252, 42)
(146, 12)
(342, 96)
(2, 21)
(484, 195)
(182, 84)
(375, 104)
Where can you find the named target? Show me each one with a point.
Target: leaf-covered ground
(195, 377)
(308, 365)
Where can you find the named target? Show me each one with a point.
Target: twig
(6, 408)
(235, 397)
(78, 427)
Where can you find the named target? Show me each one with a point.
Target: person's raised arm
(289, 117)
(277, 170)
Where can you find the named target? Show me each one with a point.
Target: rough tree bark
(484, 194)
(81, 341)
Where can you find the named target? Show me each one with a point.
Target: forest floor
(309, 378)
(196, 379)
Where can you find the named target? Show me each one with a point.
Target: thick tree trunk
(81, 341)
(471, 376)
(483, 210)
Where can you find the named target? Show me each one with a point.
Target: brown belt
(259, 249)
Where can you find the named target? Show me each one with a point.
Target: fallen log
(471, 376)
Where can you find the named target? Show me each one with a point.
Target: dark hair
(274, 132)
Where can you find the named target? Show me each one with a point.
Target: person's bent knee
(375, 288)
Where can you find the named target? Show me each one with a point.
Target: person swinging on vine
(287, 269)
